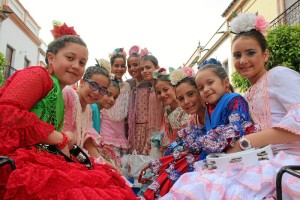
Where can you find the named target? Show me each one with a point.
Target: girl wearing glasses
(78, 116)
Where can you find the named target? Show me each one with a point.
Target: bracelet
(64, 141)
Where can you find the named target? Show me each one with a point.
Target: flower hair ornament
(144, 52)
(135, 49)
(210, 61)
(245, 22)
(159, 72)
(114, 81)
(118, 51)
(60, 29)
(104, 63)
(179, 74)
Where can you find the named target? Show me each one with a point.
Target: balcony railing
(290, 16)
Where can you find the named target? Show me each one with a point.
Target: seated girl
(174, 118)
(227, 118)
(274, 106)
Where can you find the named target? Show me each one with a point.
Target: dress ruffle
(117, 142)
(237, 182)
(17, 127)
(41, 175)
(291, 120)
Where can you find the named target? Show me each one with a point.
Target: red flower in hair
(162, 70)
(59, 31)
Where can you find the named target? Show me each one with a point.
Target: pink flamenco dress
(79, 121)
(272, 104)
(31, 107)
(138, 112)
(114, 143)
(173, 121)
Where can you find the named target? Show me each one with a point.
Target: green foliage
(2, 66)
(284, 47)
(240, 82)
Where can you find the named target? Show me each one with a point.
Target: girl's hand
(72, 139)
(117, 169)
(235, 149)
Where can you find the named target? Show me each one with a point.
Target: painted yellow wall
(266, 8)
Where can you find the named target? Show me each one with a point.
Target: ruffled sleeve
(284, 85)
(236, 124)
(69, 96)
(78, 122)
(18, 126)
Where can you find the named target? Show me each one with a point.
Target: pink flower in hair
(144, 52)
(134, 49)
(261, 25)
(188, 71)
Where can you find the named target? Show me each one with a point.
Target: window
(9, 70)
(26, 62)
(225, 65)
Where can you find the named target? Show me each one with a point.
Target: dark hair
(151, 58)
(133, 55)
(61, 42)
(256, 35)
(92, 70)
(218, 70)
(189, 80)
(162, 78)
(114, 57)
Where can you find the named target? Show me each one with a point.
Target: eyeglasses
(94, 86)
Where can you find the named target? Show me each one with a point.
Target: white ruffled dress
(274, 101)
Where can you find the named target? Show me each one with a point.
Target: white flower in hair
(243, 22)
(176, 76)
(112, 76)
(105, 64)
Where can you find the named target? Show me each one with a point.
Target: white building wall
(14, 37)
(223, 54)
(18, 38)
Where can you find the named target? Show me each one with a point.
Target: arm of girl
(237, 122)
(285, 102)
(89, 145)
(266, 137)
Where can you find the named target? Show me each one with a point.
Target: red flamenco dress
(40, 174)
